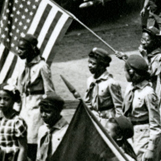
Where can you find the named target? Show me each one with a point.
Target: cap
(101, 54)
(138, 64)
(152, 31)
(30, 39)
(125, 126)
(51, 101)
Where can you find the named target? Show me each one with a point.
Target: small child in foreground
(13, 129)
(120, 129)
(51, 133)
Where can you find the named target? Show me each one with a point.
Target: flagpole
(75, 18)
(122, 156)
(107, 135)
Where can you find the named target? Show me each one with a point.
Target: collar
(34, 61)
(141, 85)
(104, 76)
(60, 124)
(154, 52)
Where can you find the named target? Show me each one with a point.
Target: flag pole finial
(71, 88)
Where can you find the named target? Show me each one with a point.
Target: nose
(1, 101)
(143, 41)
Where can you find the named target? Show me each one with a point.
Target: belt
(102, 108)
(140, 122)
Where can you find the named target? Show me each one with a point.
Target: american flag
(43, 18)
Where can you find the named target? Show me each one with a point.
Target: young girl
(141, 105)
(13, 134)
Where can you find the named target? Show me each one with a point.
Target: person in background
(51, 133)
(141, 106)
(150, 49)
(151, 14)
(120, 129)
(33, 83)
(13, 129)
(103, 95)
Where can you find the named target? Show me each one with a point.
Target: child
(103, 95)
(142, 108)
(13, 130)
(33, 83)
(51, 133)
(120, 129)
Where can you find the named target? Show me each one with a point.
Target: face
(93, 65)
(6, 101)
(23, 49)
(146, 41)
(111, 128)
(49, 116)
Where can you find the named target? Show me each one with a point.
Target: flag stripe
(46, 26)
(37, 17)
(43, 19)
(60, 24)
(6, 66)
(3, 57)
(11, 69)
(54, 23)
(50, 57)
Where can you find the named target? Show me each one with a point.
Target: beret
(137, 63)
(31, 39)
(125, 126)
(152, 31)
(51, 101)
(101, 54)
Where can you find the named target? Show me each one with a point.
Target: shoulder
(111, 82)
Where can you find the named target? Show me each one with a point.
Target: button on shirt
(58, 131)
(104, 95)
(145, 106)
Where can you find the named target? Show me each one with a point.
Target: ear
(131, 72)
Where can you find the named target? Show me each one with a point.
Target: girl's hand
(148, 155)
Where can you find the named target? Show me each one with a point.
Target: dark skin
(95, 67)
(6, 105)
(148, 44)
(26, 51)
(50, 116)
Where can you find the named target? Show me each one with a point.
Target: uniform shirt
(155, 69)
(145, 106)
(10, 130)
(33, 82)
(58, 131)
(105, 94)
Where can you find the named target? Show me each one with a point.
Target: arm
(156, 65)
(152, 104)
(46, 76)
(21, 136)
(87, 98)
(145, 6)
(22, 155)
(115, 91)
